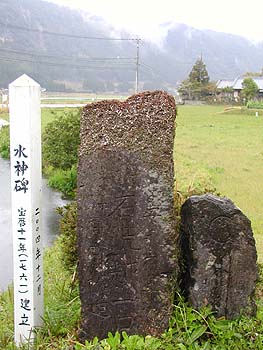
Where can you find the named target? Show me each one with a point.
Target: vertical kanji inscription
(126, 228)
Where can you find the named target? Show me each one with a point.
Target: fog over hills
(65, 49)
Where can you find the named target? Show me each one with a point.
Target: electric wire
(54, 64)
(89, 59)
(123, 62)
(66, 35)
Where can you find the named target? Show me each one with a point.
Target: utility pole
(137, 64)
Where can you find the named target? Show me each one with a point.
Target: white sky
(143, 17)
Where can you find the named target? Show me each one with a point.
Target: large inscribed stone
(219, 256)
(126, 228)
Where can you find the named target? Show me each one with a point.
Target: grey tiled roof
(237, 83)
(223, 83)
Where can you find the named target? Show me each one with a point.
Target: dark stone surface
(126, 228)
(219, 255)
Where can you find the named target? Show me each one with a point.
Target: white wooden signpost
(25, 154)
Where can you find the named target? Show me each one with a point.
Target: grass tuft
(226, 158)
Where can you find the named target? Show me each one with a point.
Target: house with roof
(231, 89)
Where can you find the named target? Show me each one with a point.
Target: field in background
(223, 150)
(76, 98)
(216, 149)
(48, 114)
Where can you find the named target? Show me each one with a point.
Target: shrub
(255, 104)
(64, 181)
(61, 141)
(68, 237)
(5, 142)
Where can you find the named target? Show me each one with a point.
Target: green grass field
(48, 114)
(223, 150)
(219, 150)
(76, 98)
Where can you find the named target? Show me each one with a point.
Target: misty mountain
(64, 49)
(225, 55)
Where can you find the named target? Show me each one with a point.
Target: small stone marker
(219, 256)
(126, 228)
(25, 154)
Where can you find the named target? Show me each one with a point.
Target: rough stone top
(207, 212)
(221, 203)
(144, 123)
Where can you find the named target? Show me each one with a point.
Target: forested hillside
(64, 49)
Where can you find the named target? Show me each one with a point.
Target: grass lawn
(48, 114)
(223, 150)
(80, 98)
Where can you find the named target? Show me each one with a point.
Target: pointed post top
(24, 80)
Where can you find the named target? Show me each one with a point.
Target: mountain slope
(225, 55)
(30, 43)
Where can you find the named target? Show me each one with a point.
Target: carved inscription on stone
(126, 228)
(125, 245)
(219, 256)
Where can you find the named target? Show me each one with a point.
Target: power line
(155, 72)
(8, 59)
(13, 26)
(137, 40)
(85, 59)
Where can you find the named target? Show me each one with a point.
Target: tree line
(198, 86)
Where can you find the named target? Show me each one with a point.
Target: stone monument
(126, 224)
(26, 193)
(219, 256)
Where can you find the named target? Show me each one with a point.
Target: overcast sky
(143, 17)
